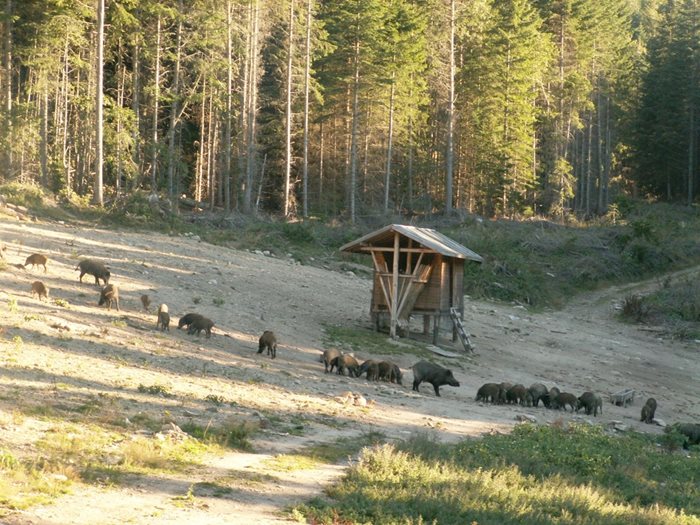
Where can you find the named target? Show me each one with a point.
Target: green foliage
(368, 342)
(27, 195)
(675, 305)
(541, 263)
(155, 390)
(234, 434)
(535, 475)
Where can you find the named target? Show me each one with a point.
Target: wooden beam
(387, 298)
(395, 287)
(403, 250)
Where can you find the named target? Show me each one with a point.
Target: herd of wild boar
(374, 370)
(423, 371)
(508, 393)
(194, 323)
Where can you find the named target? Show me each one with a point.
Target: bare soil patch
(69, 354)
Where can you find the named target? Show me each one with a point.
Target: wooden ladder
(459, 326)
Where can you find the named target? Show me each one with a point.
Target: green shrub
(535, 475)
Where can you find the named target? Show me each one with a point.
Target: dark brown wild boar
(503, 392)
(648, 410)
(94, 268)
(202, 323)
(488, 392)
(691, 431)
(590, 402)
(146, 302)
(563, 399)
(346, 362)
(187, 319)
(268, 340)
(388, 371)
(163, 320)
(110, 296)
(40, 289)
(535, 393)
(551, 395)
(516, 394)
(370, 366)
(36, 259)
(434, 374)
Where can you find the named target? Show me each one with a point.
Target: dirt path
(91, 352)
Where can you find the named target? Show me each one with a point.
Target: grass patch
(234, 434)
(28, 482)
(155, 390)
(370, 343)
(675, 305)
(535, 475)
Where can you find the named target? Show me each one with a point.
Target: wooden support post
(436, 327)
(426, 324)
(395, 287)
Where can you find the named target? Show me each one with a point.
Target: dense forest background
(505, 108)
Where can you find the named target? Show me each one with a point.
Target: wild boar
(146, 302)
(590, 402)
(503, 392)
(327, 356)
(535, 393)
(94, 268)
(163, 320)
(434, 374)
(563, 399)
(691, 431)
(187, 319)
(109, 296)
(551, 395)
(269, 341)
(516, 394)
(199, 324)
(40, 289)
(389, 371)
(648, 410)
(371, 367)
(36, 259)
(346, 362)
(488, 392)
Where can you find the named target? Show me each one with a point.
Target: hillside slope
(58, 358)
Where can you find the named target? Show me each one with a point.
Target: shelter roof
(426, 237)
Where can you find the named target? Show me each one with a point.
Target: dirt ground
(90, 352)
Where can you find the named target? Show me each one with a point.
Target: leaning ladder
(459, 326)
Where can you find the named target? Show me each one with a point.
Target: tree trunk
(353, 134)
(307, 74)
(243, 121)
(65, 154)
(229, 108)
(199, 171)
(389, 152)
(156, 100)
(252, 109)
(174, 110)
(288, 123)
(599, 142)
(99, 99)
(589, 171)
(450, 115)
(7, 91)
(44, 143)
(136, 108)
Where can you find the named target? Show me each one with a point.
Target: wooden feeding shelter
(417, 271)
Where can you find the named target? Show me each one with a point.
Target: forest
(352, 108)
